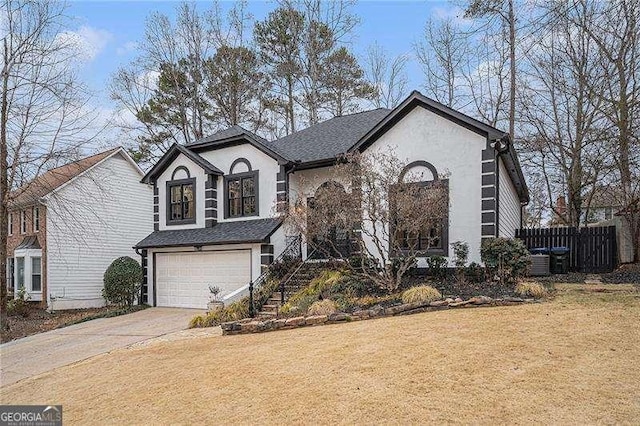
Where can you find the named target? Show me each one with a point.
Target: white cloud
(128, 47)
(455, 13)
(87, 41)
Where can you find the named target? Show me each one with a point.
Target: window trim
(23, 221)
(11, 264)
(169, 185)
(256, 180)
(31, 274)
(10, 224)
(444, 251)
(35, 218)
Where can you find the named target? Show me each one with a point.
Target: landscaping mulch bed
(625, 274)
(450, 287)
(39, 320)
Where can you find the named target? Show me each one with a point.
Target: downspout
(143, 256)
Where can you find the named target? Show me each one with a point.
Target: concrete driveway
(42, 352)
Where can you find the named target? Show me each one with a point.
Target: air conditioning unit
(539, 265)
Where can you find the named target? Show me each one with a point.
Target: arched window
(241, 190)
(181, 197)
(421, 179)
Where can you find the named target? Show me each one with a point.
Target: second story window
(181, 201)
(36, 219)
(10, 223)
(241, 193)
(23, 222)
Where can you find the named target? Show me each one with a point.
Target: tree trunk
(4, 189)
(512, 71)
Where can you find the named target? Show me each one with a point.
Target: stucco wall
(268, 169)
(456, 153)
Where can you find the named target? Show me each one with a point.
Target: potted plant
(214, 303)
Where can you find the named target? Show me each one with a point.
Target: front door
(335, 244)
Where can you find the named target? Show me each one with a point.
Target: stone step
(267, 314)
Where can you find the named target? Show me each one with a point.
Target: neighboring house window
(23, 222)
(181, 201)
(10, 223)
(36, 274)
(241, 193)
(608, 213)
(10, 275)
(20, 272)
(36, 219)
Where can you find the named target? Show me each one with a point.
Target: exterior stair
(293, 283)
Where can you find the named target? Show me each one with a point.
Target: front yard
(571, 360)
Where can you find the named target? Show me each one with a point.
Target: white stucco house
(66, 227)
(216, 200)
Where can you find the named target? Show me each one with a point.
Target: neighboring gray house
(216, 201)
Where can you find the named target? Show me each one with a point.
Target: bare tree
(561, 110)
(443, 54)
(387, 218)
(45, 116)
(387, 75)
(615, 34)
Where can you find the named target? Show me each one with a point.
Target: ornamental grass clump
(423, 293)
(531, 289)
(322, 307)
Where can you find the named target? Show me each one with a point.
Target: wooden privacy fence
(591, 250)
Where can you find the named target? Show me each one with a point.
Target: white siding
(95, 219)
(454, 151)
(509, 204)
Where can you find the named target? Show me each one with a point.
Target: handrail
(293, 249)
(283, 283)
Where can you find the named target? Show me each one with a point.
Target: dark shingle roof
(328, 139)
(232, 132)
(246, 231)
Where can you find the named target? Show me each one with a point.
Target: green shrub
(460, 253)
(122, 281)
(20, 305)
(508, 257)
(531, 289)
(423, 293)
(475, 273)
(322, 307)
(437, 266)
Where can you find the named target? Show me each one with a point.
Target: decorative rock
(449, 300)
(457, 304)
(513, 299)
(316, 319)
(294, 322)
(458, 300)
(363, 314)
(279, 323)
(439, 303)
(393, 310)
(376, 311)
(480, 300)
(250, 327)
(338, 316)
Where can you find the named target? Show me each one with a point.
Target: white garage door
(183, 279)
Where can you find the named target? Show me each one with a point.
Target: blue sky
(111, 28)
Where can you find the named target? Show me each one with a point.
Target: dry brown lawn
(572, 360)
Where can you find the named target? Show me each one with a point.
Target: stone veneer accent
(156, 207)
(145, 276)
(211, 201)
(281, 190)
(489, 190)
